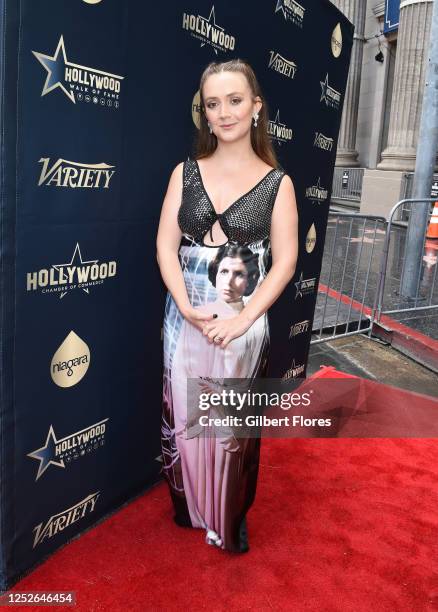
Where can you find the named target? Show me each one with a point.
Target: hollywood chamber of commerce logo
(305, 286)
(299, 328)
(329, 95)
(208, 31)
(76, 274)
(316, 193)
(282, 65)
(74, 446)
(79, 83)
(70, 362)
(65, 173)
(294, 371)
(292, 11)
(323, 142)
(58, 522)
(336, 41)
(278, 130)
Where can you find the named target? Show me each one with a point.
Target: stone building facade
(382, 108)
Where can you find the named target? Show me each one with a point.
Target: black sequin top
(246, 220)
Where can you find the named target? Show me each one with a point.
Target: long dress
(212, 479)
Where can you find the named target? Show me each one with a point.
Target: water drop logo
(311, 238)
(70, 362)
(337, 41)
(196, 109)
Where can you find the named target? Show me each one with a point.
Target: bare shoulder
(178, 170)
(285, 199)
(286, 184)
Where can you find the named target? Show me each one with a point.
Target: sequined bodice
(246, 220)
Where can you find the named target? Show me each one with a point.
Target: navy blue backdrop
(106, 105)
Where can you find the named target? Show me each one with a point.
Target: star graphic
(298, 286)
(277, 119)
(280, 7)
(210, 17)
(324, 87)
(76, 253)
(55, 67)
(45, 453)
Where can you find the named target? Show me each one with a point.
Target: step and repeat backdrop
(100, 102)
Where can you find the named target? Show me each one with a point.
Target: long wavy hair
(206, 143)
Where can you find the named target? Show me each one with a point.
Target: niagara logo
(79, 83)
(281, 65)
(279, 131)
(76, 445)
(72, 275)
(70, 362)
(330, 96)
(65, 173)
(292, 11)
(62, 520)
(208, 31)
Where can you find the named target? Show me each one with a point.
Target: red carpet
(337, 525)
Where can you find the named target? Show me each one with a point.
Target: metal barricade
(350, 275)
(402, 213)
(390, 299)
(347, 184)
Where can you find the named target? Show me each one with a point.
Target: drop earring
(255, 117)
(209, 127)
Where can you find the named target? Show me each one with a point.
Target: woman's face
(229, 105)
(231, 279)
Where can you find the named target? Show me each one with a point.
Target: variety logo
(294, 371)
(65, 173)
(323, 142)
(70, 362)
(76, 445)
(208, 31)
(279, 131)
(75, 274)
(337, 41)
(281, 65)
(62, 520)
(305, 286)
(78, 82)
(299, 328)
(329, 95)
(311, 238)
(292, 11)
(316, 193)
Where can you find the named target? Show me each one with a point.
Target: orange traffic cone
(432, 230)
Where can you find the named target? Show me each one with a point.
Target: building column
(409, 78)
(346, 155)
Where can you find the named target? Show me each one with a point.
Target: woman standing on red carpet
(225, 211)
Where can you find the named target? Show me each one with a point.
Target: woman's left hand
(222, 331)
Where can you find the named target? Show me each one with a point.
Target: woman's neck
(234, 154)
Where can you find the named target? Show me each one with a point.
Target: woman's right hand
(197, 317)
